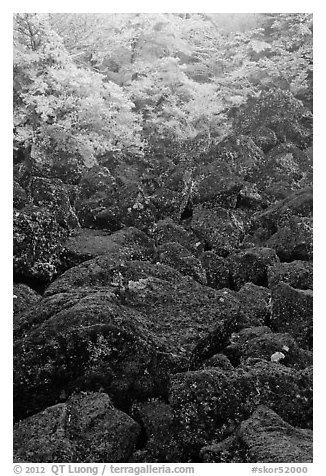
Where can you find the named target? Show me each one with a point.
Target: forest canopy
(88, 85)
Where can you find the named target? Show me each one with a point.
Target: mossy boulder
(255, 305)
(267, 438)
(178, 257)
(20, 197)
(91, 343)
(85, 429)
(24, 298)
(218, 228)
(217, 270)
(292, 312)
(38, 242)
(298, 274)
(166, 231)
(251, 265)
(52, 194)
(208, 404)
(156, 419)
(263, 438)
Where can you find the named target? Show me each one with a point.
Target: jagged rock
(265, 224)
(217, 184)
(86, 428)
(218, 360)
(267, 438)
(226, 451)
(293, 239)
(156, 418)
(24, 298)
(265, 138)
(251, 265)
(217, 270)
(166, 231)
(238, 340)
(292, 312)
(126, 244)
(217, 228)
(125, 326)
(208, 404)
(91, 343)
(298, 274)
(255, 305)
(178, 257)
(38, 241)
(279, 111)
(52, 194)
(269, 345)
(20, 198)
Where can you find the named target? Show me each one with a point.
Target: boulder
(218, 228)
(217, 270)
(103, 203)
(292, 312)
(298, 274)
(208, 404)
(181, 259)
(85, 429)
(24, 298)
(267, 438)
(293, 239)
(20, 197)
(276, 347)
(52, 194)
(38, 242)
(156, 419)
(124, 326)
(166, 231)
(111, 251)
(91, 343)
(251, 265)
(263, 438)
(255, 305)
(298, 204)
(217, 184)
(219, 361)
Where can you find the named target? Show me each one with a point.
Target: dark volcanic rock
(292, 311)
(52, 194)
(156, 418)
(265, 224)
(293, 239)
(208, 404)
(90, 344)
(298, 274)
(104, 204)
(24, 298)
(166, 231)
(111, 251)
(218, 228)
(86, 428)
(280, 348)
(255, 305)
(263, 438)
(217, 270)
(269, 439)
(20, 198)
(218, 360)
(85, 244)
(217, 184)
(251, 266)
(178, 257)
(38, 242)
(123, 326)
